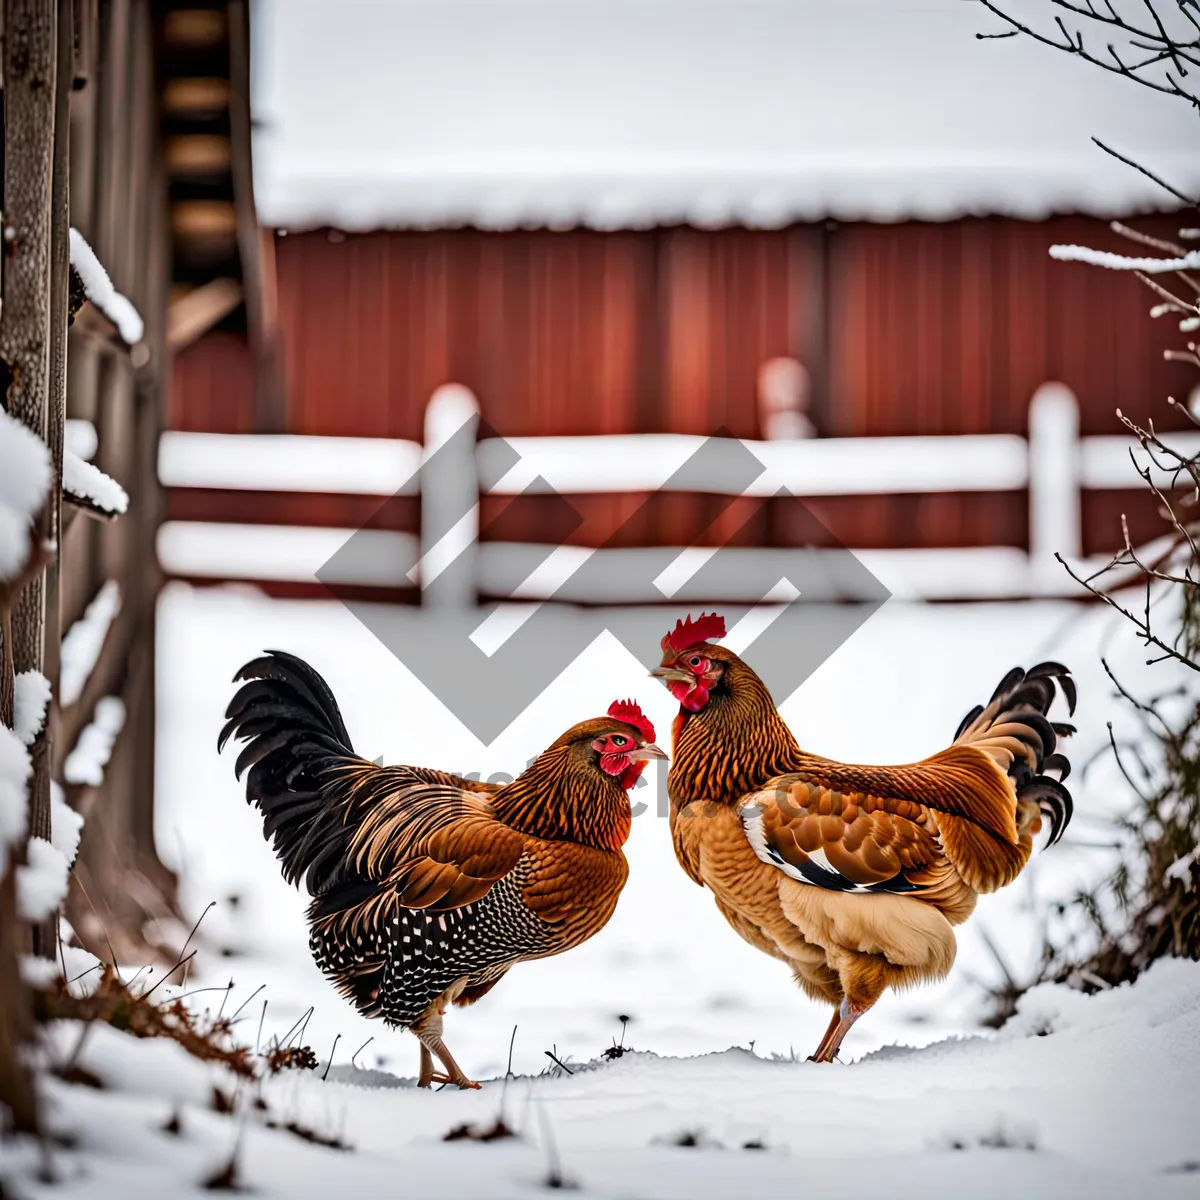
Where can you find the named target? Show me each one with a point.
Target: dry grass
(207, 1038)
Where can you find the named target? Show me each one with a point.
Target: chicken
(426, 887)
(853, 875)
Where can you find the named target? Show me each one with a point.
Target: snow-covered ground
(894, 692)
(1076, 1097)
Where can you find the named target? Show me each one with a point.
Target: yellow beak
(673, 674)
(646, 753)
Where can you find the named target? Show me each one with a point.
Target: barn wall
(925, 328)
(950, 328)
(907, 329)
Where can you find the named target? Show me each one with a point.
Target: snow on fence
(1053, 464)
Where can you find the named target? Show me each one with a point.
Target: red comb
(629, 712)
(691, 633)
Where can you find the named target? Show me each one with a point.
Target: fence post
(448, 568)
(1055, 523)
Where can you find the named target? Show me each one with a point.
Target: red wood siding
(212, 386)
(907, 329)
(950, 328)
(924, 328)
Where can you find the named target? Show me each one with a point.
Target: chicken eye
(619, 739)
(695, 661)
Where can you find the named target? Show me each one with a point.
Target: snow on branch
(86, 762)
(102, 294)
(24, 482)
(84, 640)
(1122, 262)
(87, 487)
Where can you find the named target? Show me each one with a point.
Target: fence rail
(1053, 466)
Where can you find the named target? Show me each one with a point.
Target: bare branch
(1144, 239)
(1170, 297)
(1073, 43)
(1144, 631)
(1149, 174)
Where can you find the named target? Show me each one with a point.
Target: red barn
(605, 219)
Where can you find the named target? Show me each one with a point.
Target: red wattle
(692, 696)
(632, 774)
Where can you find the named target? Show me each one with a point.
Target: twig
(1144, 631)
(1137, 791)
(359, 1051)
(1073, 44)
(84, 1034)
(134, 980)
(169, 974)
(308, 1012)
(511, 1042)
(1148, 173)
(247, 1001)
(995, 951)
(188, 942)
(332, 1051)
(558, 1062)
(103, 928)
(1144, 239)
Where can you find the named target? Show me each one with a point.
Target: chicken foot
(428, 1075)
(428, 1031)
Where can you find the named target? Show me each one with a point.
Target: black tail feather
(296, 743)
(968, 720)
(1023, 698)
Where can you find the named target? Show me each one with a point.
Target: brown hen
(853, 875)
(426, 887)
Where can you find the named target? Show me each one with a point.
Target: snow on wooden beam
(89, 757)
(100, 291)
(86, 487)
(80, 438)
(85, 640)
(24, 482)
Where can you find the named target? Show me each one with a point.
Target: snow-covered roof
(632, 113)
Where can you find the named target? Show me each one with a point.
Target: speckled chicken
(853, 875)
(426, 887)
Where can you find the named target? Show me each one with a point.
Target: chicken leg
(844, 1017)
(428, 1031)
(826, 1037)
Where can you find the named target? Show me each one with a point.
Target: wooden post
(448, 568)
(29, 70)
(1055, 523)
(30, 52)
(45, 936)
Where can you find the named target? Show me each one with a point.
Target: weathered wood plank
(29, 72)
(196, 312)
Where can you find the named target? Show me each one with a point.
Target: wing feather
(436, 845)
(841, 840)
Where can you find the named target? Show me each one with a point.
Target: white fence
(1053, 463)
